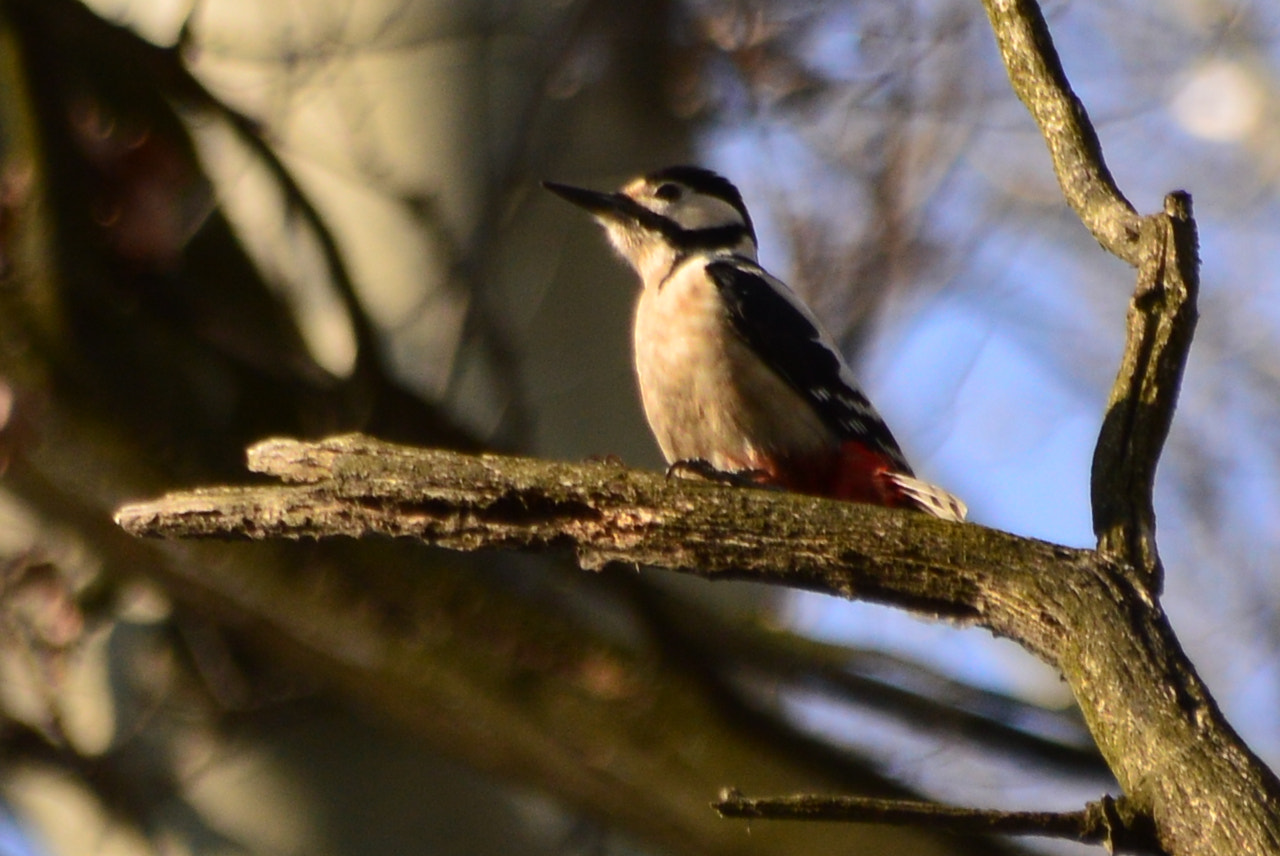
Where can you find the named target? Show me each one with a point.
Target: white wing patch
(785, 336)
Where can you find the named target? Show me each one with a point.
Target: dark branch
(910, 693)
(1161, 322)
(1108, 821)
(950, 720)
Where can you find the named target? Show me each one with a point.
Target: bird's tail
(929, 498)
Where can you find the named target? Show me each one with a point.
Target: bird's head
(656, 219)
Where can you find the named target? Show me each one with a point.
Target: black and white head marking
(679, 184)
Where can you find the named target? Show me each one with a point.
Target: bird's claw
(701, 468)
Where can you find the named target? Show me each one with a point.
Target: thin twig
(1108, 821)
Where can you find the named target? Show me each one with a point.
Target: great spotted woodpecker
(735, 372)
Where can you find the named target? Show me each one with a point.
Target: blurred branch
(944, 708)
(1154, 720)
(949, 719)
(1108, 821)
(370, 397)
(128, 786)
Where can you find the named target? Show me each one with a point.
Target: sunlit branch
(1091, 617)
(354, 485)
(1038, 79)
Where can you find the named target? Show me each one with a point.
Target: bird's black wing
(787, 340)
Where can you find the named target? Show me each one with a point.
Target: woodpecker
(735, 372)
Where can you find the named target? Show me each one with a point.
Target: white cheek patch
(695, 211)
(704, 212)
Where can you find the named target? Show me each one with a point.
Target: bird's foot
(702, 468)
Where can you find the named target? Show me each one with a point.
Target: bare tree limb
(1108, 821)
(1161, 322)
(355, 485)
(1038, 79)
(1094, 619)
(1162, 315)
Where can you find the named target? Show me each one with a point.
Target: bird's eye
(669, 192)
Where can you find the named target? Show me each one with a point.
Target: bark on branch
(1036, 75)
(1081, 610)
(1161, 322)
(1162, 315)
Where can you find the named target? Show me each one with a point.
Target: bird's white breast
(706, 395)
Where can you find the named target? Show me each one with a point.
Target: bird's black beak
(617, 205)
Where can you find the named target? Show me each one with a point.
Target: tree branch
(355, 485)
(1161, 322)
(1094, 619)
(1108, 821)
(1162, 315)
(1036, 75)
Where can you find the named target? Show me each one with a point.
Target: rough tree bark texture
(1083, 611)
(1094, 615)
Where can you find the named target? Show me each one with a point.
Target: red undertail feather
(856, 473)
